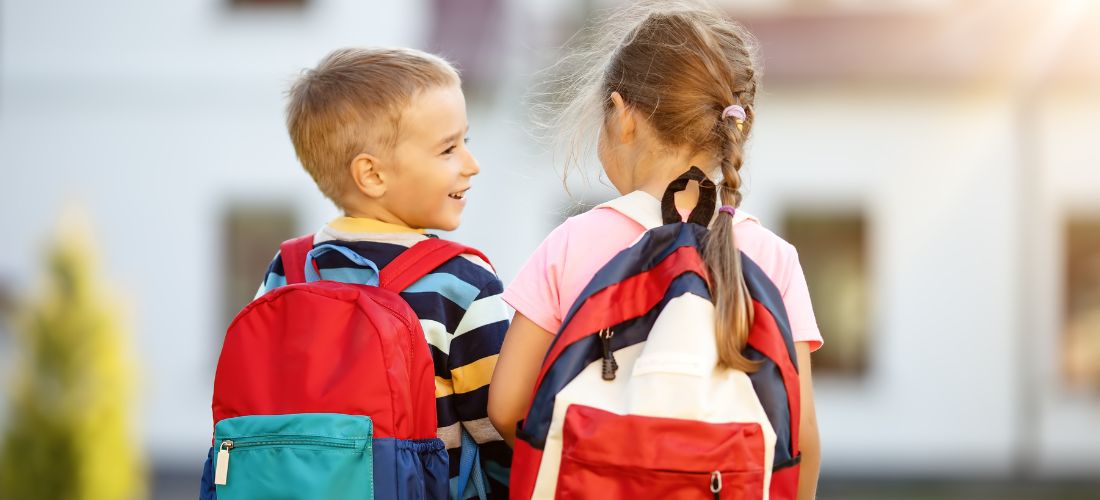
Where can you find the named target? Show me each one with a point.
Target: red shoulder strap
(293, 253)
(419, 260)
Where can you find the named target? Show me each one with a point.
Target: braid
(733, 305)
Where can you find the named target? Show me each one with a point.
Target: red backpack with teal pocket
(630, 401)
(326, 389)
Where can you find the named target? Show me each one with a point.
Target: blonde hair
(351, 103)
(680, 64)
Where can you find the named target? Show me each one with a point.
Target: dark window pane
(251, 235)
(832, 250)
(1081, 347)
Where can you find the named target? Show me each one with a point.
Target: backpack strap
(643, 208)
(419, 260)
(293, 254)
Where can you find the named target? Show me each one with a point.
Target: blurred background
(936, 163)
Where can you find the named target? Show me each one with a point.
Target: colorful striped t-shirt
(464, 320)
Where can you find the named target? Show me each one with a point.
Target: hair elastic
(738, 113)
(727, 209)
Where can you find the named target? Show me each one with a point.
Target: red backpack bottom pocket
(606, 455)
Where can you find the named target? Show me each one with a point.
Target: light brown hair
(680, 64)
(351, 103)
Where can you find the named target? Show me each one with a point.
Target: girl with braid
(665, 86)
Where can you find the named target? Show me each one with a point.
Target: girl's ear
(622, 120)
(366, 172)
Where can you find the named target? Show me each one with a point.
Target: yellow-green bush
(69, 433)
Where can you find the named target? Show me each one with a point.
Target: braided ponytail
(733, 305)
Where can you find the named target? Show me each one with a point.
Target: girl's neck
(658, 170)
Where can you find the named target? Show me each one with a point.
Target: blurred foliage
(68, 432)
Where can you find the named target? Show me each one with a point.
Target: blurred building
(934, 161)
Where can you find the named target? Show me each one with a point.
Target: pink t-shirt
(553, 278)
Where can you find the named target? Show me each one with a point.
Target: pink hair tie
(736, 111)
(727, 209)
(738, 114)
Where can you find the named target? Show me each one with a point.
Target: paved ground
(182, 485)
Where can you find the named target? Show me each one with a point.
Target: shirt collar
(347, 224)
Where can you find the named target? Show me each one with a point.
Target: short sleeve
(796, 298)
(534, 292)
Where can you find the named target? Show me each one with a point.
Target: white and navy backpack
(629, 401)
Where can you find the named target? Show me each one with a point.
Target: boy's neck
(354, 224)
(375, 212)
(386, 220)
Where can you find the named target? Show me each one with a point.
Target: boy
(382, 132)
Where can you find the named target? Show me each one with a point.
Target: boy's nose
(471, 168)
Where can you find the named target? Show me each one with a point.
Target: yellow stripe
(474, 375)
(365, 225)
(443, 387)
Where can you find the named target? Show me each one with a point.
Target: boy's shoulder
(383, 248)
(473, 267)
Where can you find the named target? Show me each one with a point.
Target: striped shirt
(464, 320)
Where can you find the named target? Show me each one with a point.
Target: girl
(673, 87)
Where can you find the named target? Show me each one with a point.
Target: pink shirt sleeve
(796, 298)
(779, 260)
(534, 291)
(561, 267)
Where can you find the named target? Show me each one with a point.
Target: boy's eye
(449, 150)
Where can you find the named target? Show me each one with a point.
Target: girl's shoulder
(600, 225)
(775, 256)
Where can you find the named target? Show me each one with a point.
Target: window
(251, 234)
(1081, 336)
(832, 250)
(468, 33)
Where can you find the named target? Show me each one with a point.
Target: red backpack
(326, 389)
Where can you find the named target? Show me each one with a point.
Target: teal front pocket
(299, 456)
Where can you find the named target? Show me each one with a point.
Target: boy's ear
(366, 172)
(623, 117)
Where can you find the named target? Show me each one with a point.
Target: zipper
(716, 484)
(221, 466)
(610, 366)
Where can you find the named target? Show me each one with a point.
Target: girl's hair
(680, 64)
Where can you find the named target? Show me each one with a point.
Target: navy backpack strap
(293, 254)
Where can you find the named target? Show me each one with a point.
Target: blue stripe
(352, 275)
(273, 281)
(478, 343)
(447, 285)
(436, 307)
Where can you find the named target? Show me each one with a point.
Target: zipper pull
(221, 467)
(610, 366)
(715, 483)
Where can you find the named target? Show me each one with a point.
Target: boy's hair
(680, 64)
(351, 103)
